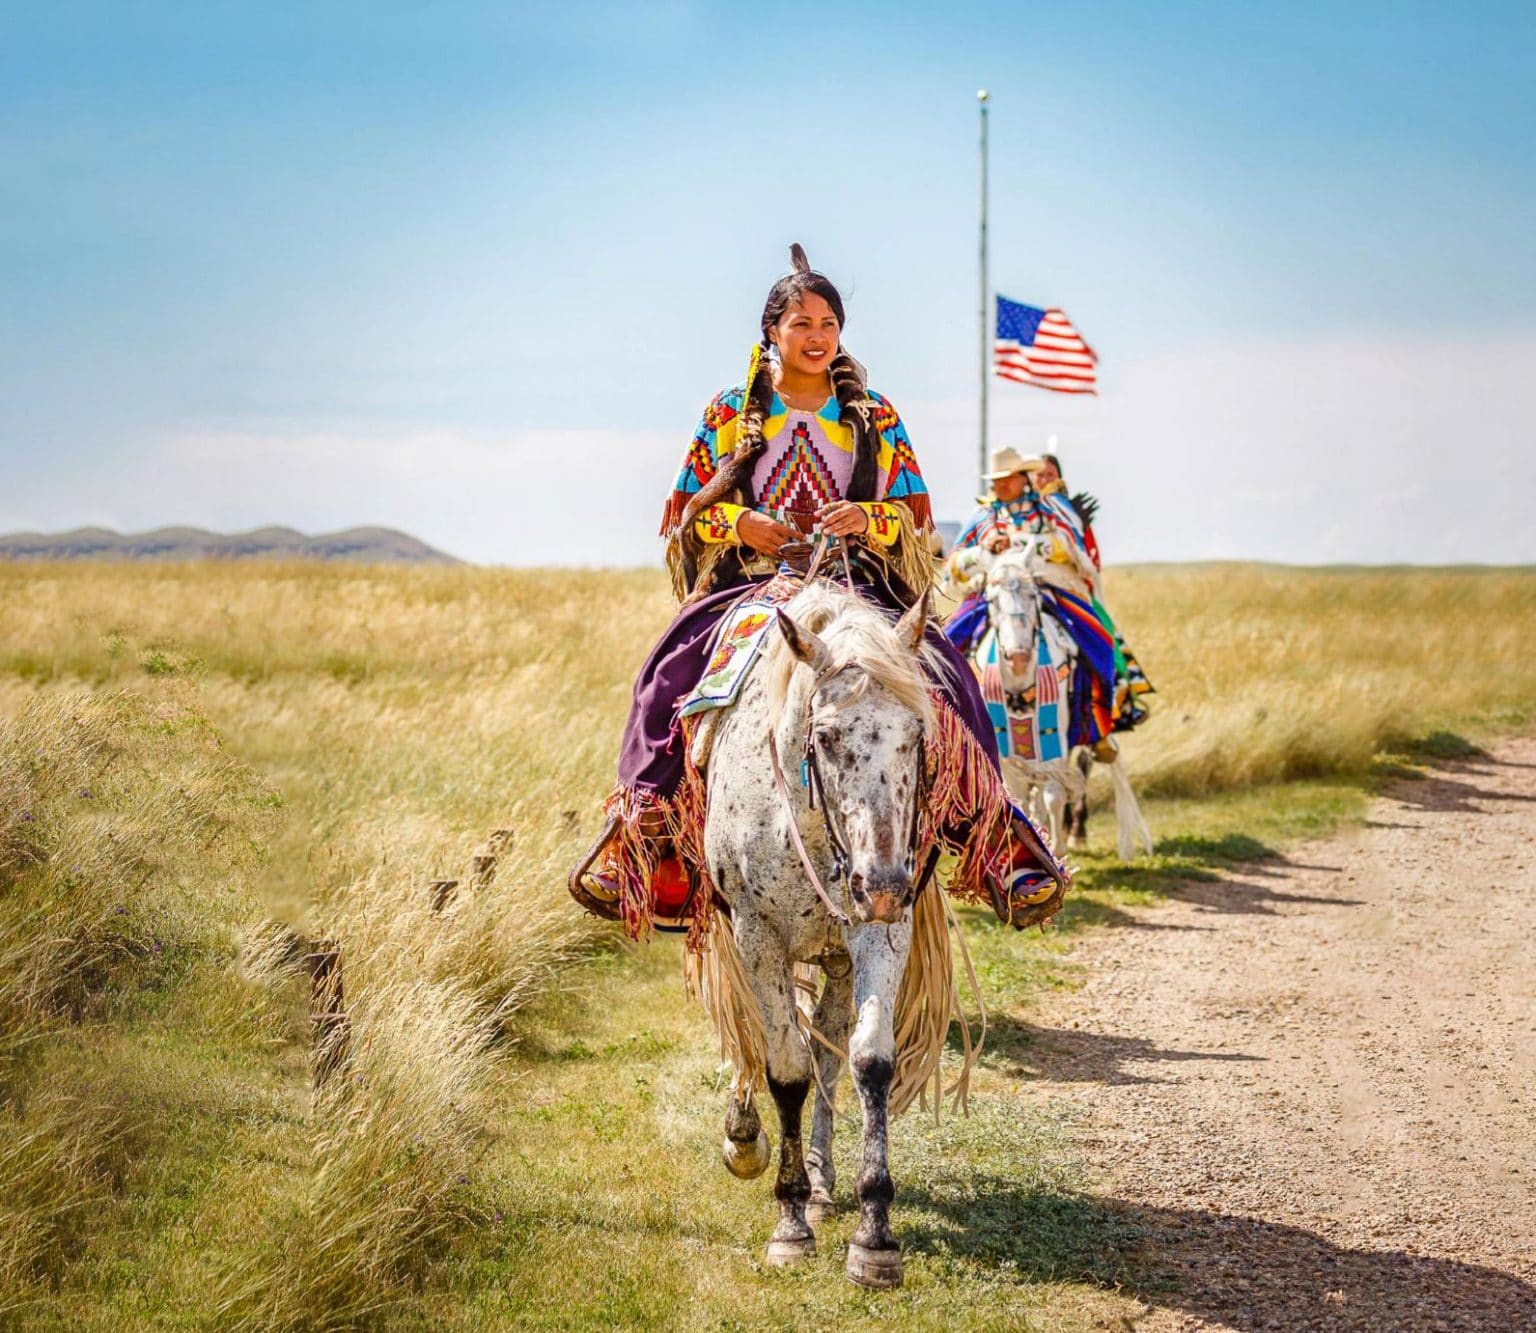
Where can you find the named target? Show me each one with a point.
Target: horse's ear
(804, 644)
(913, 623)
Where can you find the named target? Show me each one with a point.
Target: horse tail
(1130, 827)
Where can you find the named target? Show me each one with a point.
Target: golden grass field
(527, 1132)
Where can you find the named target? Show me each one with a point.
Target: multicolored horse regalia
(754, 451)
(1109, 682)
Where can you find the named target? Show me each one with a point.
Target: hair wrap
(753, 366)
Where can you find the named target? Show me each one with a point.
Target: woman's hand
(842, 518)
(763, 534)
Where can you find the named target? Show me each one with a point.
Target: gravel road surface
(1311, 1086)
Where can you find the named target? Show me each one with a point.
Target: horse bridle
(1034, 594)
(816, 790)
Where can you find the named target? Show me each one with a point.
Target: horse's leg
(1023, 787)
(1082, 764)
(746, 1143)
(834, 1019)
(1055, 807)
(1038, 807)
(879, 958)
(789, 1080)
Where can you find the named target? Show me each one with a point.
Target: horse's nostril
(882, 897)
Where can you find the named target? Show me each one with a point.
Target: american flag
(1041, 347)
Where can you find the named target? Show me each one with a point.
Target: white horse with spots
(843, 695)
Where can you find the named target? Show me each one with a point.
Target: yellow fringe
(752, 368)
(911, 556)
(716, 977)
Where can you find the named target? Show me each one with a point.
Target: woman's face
(806, 335)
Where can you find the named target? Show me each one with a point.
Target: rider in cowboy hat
(1029, 496)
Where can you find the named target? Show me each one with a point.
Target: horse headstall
(815, 788)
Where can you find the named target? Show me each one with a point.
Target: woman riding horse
(802, 449)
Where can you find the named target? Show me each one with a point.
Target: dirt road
(1311, 1087)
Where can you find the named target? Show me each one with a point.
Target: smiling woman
(803, 447)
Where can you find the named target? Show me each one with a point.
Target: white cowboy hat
(1005, 462)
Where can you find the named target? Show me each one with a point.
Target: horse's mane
(855, 633)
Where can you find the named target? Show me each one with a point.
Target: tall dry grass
(402, 717)
(1267, 674)
(393, 1140)
(125, 835)
(395, 717)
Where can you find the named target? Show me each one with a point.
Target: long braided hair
(733, 480)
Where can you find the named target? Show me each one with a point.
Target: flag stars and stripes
(1042, 347)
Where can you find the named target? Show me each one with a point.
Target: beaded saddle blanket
(737, 645)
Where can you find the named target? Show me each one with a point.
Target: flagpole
(982, 97)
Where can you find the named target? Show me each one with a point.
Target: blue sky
(453, 266)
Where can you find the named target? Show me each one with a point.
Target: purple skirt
(652, 756)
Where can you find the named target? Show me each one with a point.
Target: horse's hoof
(874, 1268)
(1077, 842)
(784, 1253)
(819, 1207)
(746, 1161)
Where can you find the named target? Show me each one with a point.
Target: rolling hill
(363, 545)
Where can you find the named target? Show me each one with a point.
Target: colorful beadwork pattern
(720, 425)
(801, 480)
(884, 522)
(717, 523)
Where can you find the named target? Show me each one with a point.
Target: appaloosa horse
(840, 704)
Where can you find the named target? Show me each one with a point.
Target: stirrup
(596, 892)
(1028, 895)
(1034, 897)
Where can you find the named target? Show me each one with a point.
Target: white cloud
(1368, 451)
